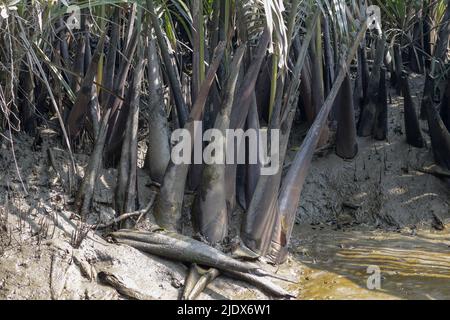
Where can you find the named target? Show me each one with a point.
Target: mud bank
(379, 209)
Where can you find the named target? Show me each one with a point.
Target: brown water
(333, 263)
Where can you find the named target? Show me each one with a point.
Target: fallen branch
(182, 248)
(191, 279)
(260, 283)
(435, 171)
(121, 288)
(206, 278)
(125, 216)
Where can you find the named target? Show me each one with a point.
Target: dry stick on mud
(125, 216)
(259, 221)
(412, 126)
(206, 278)
(51, 159)
(115, 282)
(292, 185)
(170, 199)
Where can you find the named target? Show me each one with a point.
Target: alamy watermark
(374, 280)
(227, 147)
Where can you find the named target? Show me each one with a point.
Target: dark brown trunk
(78, 113)
(110, 61)
(398, 61)
(317, 84)
(381, 125)
(306, 92)
(346, 145)
(415, 49)
(412, 126)
(445, 105)
(440, 138)
(78, 63)
(438, 60)
(26, 101)
(329, 61)
(367, 118)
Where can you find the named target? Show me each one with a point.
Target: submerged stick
(263, 284)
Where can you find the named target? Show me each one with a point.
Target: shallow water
(334, 263)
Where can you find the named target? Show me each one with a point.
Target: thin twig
(125, 216)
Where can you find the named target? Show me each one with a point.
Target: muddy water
(413, 264)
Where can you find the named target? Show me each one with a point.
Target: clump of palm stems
(161, 65)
